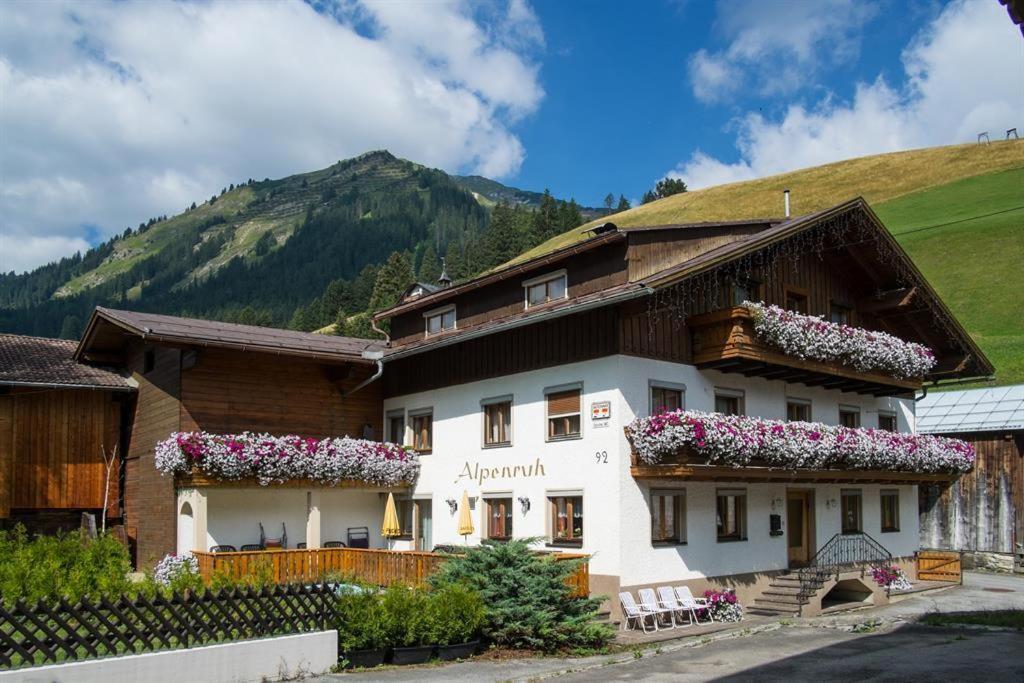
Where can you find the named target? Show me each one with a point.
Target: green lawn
(975, 260)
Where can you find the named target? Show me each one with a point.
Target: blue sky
(118, 111)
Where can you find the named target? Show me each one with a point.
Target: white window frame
(440, 312)
(803, 402)
(846, 408)
(681, 514)
(548, 502)
(653, 384)
(726, 392)
(510, 400)
(488, 496)
(540, 279)
(554, 390)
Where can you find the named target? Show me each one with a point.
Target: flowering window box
(201, 458)
(765, 341)
(690, 443)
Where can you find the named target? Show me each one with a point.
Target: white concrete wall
(234, 515)
(341, 509)
(268, 659)
(616, 511)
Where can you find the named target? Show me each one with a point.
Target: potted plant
(362, 637)
(456, 614)
(405, 617)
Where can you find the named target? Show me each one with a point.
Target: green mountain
(490, 192)
(262, 250)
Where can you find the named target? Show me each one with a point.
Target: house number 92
(601, 457)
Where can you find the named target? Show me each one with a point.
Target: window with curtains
(440, 320)
(839, 314)
(497, 414)
(852, 510)
(396, 426)
(887, 421)
(798, 410)
(849, 416)
(564, 408)
(731, 514)
(668, 517)
(743, 290)
(566, 519)
(665, 398)
(423, 431)
(728, 401)
(796, 300)
(545, 289)
(890, 510)
(499, 518)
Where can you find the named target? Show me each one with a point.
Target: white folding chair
(693, 604)
(649, 602)
(635, 614)
(668, 599)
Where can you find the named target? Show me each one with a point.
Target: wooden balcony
(724, 340)
(379, 567)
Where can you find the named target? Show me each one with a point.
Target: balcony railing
(725, 340)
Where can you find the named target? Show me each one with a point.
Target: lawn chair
(668, 599)
(633, 614)
(693, 604)
(649, 602)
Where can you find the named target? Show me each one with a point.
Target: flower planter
(448, 653)
(366, 659)
(411, 655)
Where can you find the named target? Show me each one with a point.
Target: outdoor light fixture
(524, 502)
(453, 504)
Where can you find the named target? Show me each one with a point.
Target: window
(849, 416)
(731, 515)
(440, 320)
(563, 414)
(851, 509)
(728, 402)
(743, 290)
(404, 507)
(423, 431)
(546, 288)
(796, 300)
(839, 314)
(890, 510)
(798, 410)
(887, 421)
(665, 398)
(499, 518)
(396, 426)
(566, 519)
(497, 422)
(668, 517)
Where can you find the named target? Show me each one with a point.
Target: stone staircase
(785, 596)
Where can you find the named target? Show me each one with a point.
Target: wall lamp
(524, 503)
(453, 504)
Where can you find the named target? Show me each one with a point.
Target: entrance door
(425, 521)
(799, 524)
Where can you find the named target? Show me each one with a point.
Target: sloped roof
(108, 328)
(40, 361)
(972, 410)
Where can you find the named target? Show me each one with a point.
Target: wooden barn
(57, 420)
(982, 514)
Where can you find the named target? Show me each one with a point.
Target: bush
(527, 601)
(406, 615)
(67, 565)
(361, 621)
(455, 615)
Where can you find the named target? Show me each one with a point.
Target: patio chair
(359, 537)
(649, 602)
(668, 599)
(251, 546)
(276, 543)
(334, 544)
(634, 614)
(693, 604)
(300, 546)
(223, 549)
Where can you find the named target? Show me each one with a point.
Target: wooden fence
(380, 567)
(939, 565)
(53, 632)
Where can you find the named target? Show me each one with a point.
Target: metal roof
(972, 410)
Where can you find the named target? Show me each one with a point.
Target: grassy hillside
(967, 237)
(877, 178)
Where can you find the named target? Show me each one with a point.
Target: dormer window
(440, 320)
(546, 288)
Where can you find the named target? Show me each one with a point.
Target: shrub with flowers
(172, 567)
(277, 459)
(808, 336)
(723, 605)
(738, 440)
(892, 578)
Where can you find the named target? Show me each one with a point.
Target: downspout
(372, 355)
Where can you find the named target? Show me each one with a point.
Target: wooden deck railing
(380, 567)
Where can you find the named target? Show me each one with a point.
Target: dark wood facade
(984, 510)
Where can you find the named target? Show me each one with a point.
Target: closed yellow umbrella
(390, 528)
(465, 518)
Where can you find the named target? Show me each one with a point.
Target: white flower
(172, 565)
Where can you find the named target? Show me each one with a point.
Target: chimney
(785, 198)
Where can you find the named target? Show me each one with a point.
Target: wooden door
(799, 523)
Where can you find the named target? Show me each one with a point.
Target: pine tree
(623, 204)
(545, 219)
(609, 201)
(502, 238)
(392, 280)
(71, 327)
(430, 266)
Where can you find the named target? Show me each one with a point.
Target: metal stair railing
(841, 550)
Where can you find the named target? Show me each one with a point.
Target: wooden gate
(939, 565)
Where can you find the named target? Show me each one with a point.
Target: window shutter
(564, 402)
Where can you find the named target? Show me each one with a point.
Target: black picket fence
(62, 631)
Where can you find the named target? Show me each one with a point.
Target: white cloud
(26, 251)
(777, 47)
(115, 112)
(962, 76)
